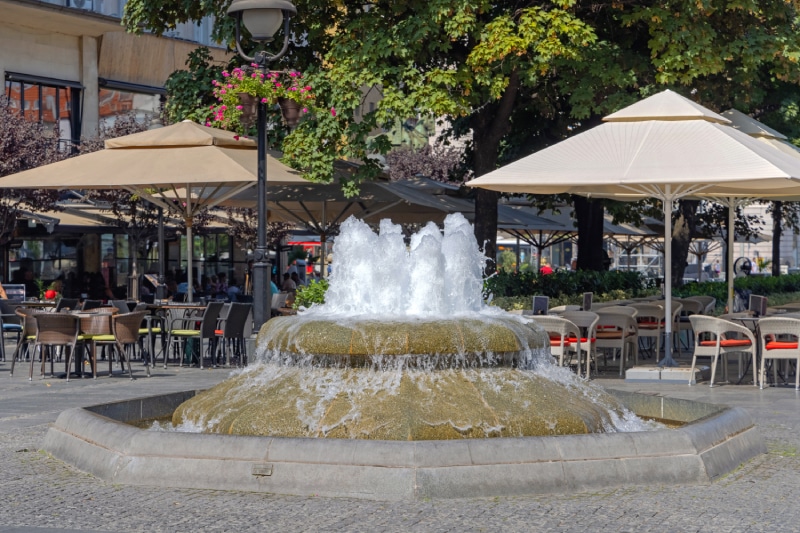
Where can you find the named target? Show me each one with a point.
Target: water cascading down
(404, 348)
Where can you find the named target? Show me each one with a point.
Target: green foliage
(566, 283)
(313, 293)
(189, 95)
(761, 285)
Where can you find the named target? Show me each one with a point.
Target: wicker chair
(54, 330)
(617, 330)
(564, 336)
(713, 338)
(124, 333)
(587, 323)
(779, 340)
(27, 337)
(650, 319)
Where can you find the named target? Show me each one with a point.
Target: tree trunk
(682, 237)
(777, 231)
(489, 125)
(589, 214)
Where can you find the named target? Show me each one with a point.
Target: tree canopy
(514, 76)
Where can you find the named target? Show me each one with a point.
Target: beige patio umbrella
(665, 147)
(183, 168)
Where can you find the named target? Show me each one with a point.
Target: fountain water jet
(404, 349)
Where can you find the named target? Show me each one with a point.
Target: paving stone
(39, 492)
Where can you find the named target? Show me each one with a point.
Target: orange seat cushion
(727, 343)
(781, 345)
(218, 332)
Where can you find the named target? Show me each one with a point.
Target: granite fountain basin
(102, 441)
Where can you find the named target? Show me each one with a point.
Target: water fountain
(409, 389)
(404, 349)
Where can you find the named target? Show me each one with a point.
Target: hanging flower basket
(240, 92)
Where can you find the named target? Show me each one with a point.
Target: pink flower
(305, 110)
(239, 107)
(225, 73)
(222, 91)
(263, 100)
(230, 86)
(208, 123)
(223, 108)
(236, 137)
(333, 112)
(293, 74)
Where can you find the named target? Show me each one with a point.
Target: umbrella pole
(729, 251)
(190, 246)
(667, 360)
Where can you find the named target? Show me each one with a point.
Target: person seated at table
(288, 284)
(296, 278)
(222, 285)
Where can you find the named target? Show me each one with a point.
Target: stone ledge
(700, 452)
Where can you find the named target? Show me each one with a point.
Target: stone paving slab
(40, 493)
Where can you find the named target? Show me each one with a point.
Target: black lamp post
(263, 19)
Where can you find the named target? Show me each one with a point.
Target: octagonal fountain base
(99, 440)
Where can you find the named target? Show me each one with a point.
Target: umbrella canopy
(666, 147)
(183, 168)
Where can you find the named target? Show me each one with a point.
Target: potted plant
(241, 90)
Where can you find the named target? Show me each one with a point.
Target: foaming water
(439, 274)
(404, 348)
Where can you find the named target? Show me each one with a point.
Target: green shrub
(561, 284)
(313, 293)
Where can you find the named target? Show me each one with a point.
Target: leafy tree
(190, 97)
(24, 145)
(509, 71)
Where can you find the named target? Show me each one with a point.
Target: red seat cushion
(557, 342)
(727, 343)
(218, 332)
(583, 339)
(781, 345)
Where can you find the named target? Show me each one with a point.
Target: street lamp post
(262, 18)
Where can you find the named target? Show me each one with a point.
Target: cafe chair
(67, 304)
(124, 335)
(650, 323)
(716, 338)
(683, 324)
(709, 303)
(55, 330)
(617, 331)
(778, 337)
(564, 336)
(26, 337)
(587, 324)
(183, 330)
(89, 305)
(231, 332)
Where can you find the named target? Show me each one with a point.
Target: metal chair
(67, 304)
(207, 330)
(716, 338)
(232, 331)
(89, 305)
(778, 338)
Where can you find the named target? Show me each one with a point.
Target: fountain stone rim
(96, 440)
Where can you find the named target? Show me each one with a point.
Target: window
(55, 103)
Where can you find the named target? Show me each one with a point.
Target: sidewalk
(41, 492)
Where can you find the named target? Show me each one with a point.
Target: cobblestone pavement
(39, 492)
